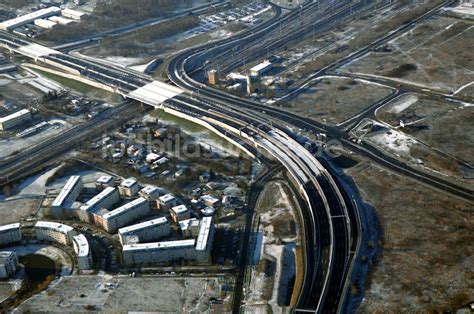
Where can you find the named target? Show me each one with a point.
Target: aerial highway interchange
(331, 222)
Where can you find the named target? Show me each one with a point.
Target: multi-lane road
(330, 223)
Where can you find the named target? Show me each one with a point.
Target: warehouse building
(180, 212)
(146, 231)
(159, 252)
(83, 251)
(28, 18)
(10, 234)
(46, 24)
(68, 194)
(54, 232)
(60, 20)
(129, 188)
(72, 14)
(125, 214)
(261, 68)
(14, 119)
(8, 264)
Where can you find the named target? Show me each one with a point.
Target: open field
(320, 49)
(18, 93)
(122, 294)
(403, 146)
(424, 56)
(333, 100)
(275, 251)
(439, 124)
(119, 13)
(426, 259)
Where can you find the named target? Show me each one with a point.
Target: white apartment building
(54, 232)
(150, 192)
(205, 239)
(167, 201)
(180, 212)
(68, 194)
(83, 251)
(8, 264)
(14, 119)
(10, 234)
(146, 231)
(129, 188)
(125, 214)
(159, 252)
(189, 227)
(104, 182)
(105, 199)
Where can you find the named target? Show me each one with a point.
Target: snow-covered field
(402, 103)
(466, 10)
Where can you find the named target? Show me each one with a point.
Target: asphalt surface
(327, 262)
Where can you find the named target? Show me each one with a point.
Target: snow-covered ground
(394, 140)
(123, 61)
(463, 9)
(385, 136)
(36, 185)
(402, 103)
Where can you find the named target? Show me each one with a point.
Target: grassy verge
(81, 88)
(193, 128)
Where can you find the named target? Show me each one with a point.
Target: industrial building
(189, 227)
(30, 17)
(72, 14)
(60, 20)
(261, 68)
(129, 188)
(104, 182)
(83, 251)
(104, 199)
(10, 234)
(253, 83)
(159, 252)
(213, 77)
(14, 119)
(46, 24)
(167, 201)
(8, 264)
(125, 214)
(68, 194)
(54, 232)
(180, 212)
(146, 231)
